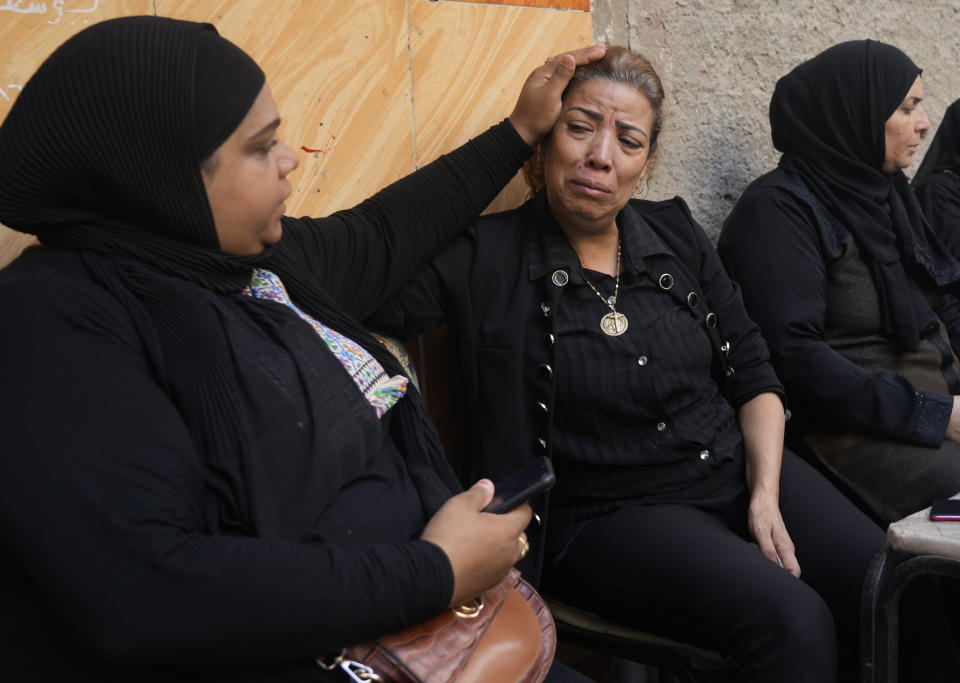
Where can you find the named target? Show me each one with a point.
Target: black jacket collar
(550, 250)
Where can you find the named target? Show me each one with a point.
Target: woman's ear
(641, 185)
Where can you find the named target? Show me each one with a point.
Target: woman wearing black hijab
(937, 181)
(852, 289)
(193, 479)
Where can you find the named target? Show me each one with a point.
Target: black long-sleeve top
(785, 254)
(103, 553)
(642, 416)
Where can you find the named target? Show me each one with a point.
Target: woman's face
(597, 154)
(248, 183)
(905, 128)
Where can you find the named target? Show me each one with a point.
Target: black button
(711, 320)
(666, 281)
(543, 443)
(692, 300)
(543, 406)
(560, 278)
(545, 307)
(548, 338)
(545, 371)
(729, 372)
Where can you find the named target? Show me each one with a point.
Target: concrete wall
(720, 59)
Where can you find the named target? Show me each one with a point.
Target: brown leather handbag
(504, 635)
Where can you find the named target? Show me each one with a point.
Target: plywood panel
(469, 62)
(29, 32)
(340, 75)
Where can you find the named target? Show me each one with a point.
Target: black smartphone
(945, 510)
(519, 487)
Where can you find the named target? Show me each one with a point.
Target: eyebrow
(270, 127)
(596, 116)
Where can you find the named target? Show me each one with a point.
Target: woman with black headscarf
(937, 181)
(208, 465)
(852, 289)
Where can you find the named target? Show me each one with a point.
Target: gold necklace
(613, 324)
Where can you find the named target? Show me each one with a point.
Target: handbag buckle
(357, 671)
(470, 610)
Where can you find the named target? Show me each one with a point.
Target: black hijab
(944, 151)
(827, 116)
(101, 154)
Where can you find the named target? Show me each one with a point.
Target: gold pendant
(614, 324)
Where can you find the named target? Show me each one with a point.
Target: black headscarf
(827, 116)
(101, 154)
(944, 151)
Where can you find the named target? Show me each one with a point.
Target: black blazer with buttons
(498, 289)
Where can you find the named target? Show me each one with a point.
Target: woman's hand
(481, 546)
(953, 426)
(770, 533)
(538, 106)
(762, 424)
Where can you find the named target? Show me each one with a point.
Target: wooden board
(341, 80)
(469, 62)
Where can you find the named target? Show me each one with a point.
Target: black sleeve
(770, 246)
(425, 301)
(101, 499)
(939, 195)
(363, 255)
(748, 356)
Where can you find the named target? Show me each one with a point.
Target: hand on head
(538, 105)
(481, 546)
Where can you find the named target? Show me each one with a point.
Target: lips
(591, 187)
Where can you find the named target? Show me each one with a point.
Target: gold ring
(524, 546)
(548, 60)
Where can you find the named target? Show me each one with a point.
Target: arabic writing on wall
(56, 6)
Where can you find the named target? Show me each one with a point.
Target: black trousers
(694, 576)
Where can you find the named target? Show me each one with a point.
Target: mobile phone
(519, 487)
(945, 510)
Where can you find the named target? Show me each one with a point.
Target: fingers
(538, 105)
(580, 56)
(564, 65)
(585, 55)
(480, 494)
(776, 546)
(770, 533)
(520, 516)
(789, 561)
(785, 551)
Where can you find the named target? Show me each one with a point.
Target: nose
(923, 123)
(599, 153)
(287, 160)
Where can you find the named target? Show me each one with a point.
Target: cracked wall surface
(720, 59)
